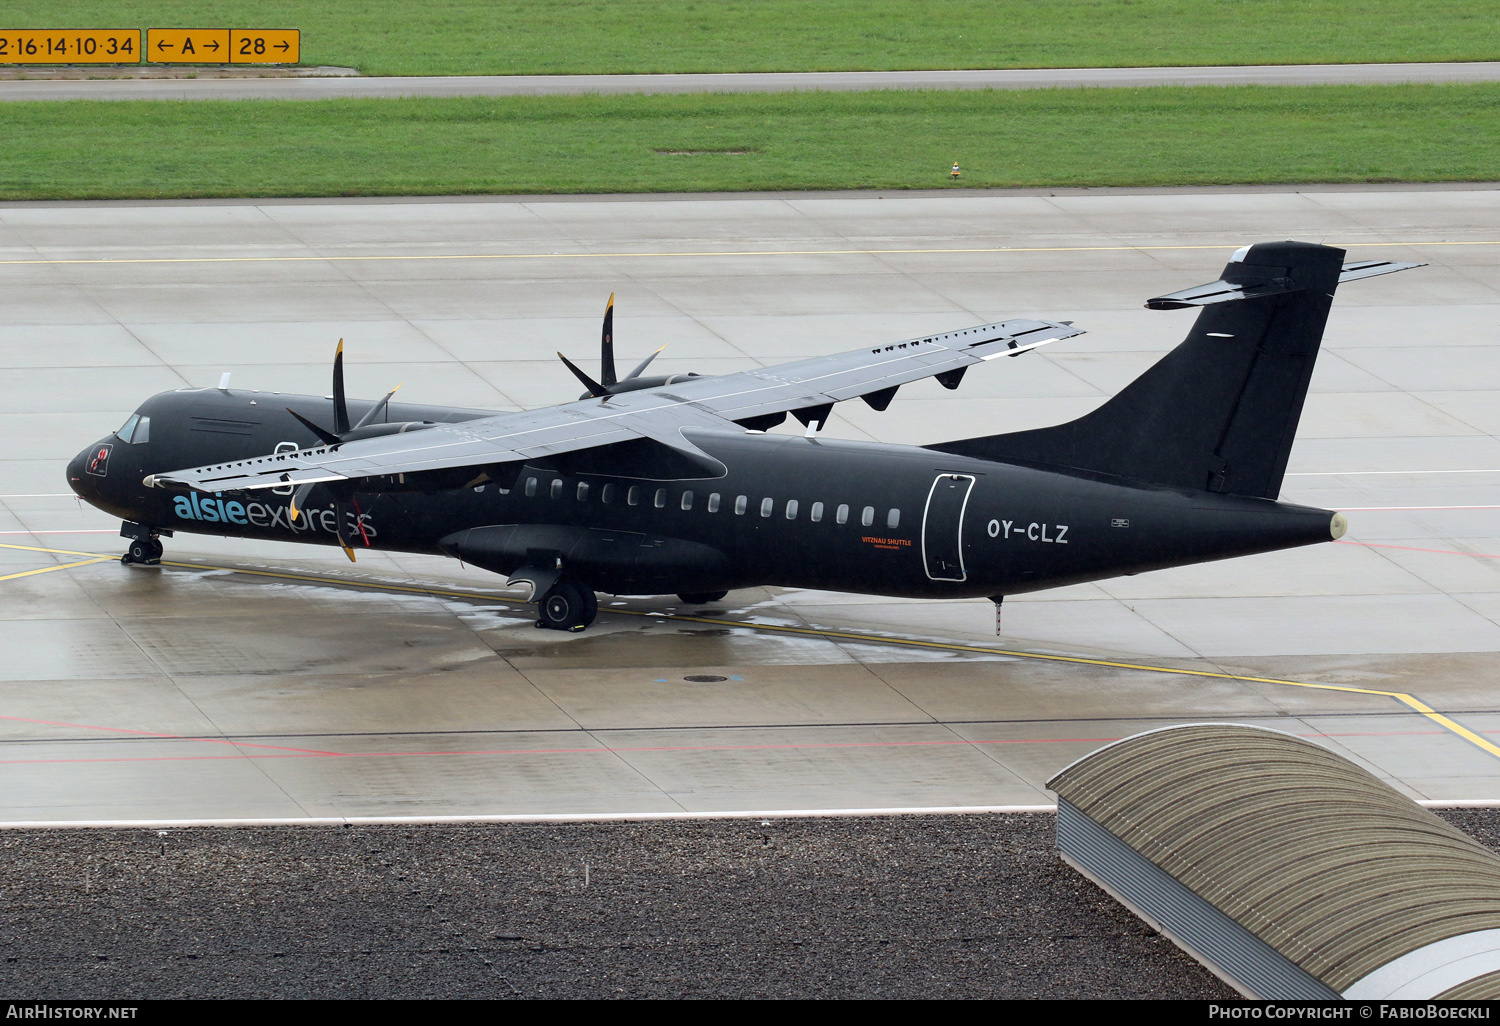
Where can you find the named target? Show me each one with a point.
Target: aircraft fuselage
(791, 511)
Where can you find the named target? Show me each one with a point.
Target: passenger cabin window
(608, 494)
(816, 515)
(765, 506)
(791, 509)
(687, 500)
(740, 505)
(583, 491)
(661, 498)
(531, 488)
(713, 502)
(893, 518)
(842, 516)
(633, 496)
(867, 516)
(557, 487)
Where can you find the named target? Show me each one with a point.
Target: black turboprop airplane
(671, 485)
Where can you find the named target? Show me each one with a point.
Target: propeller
(607, 345)
(346, 507)
(608, 384)
(342, 432)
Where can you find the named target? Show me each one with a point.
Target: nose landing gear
(145, 545)
(567, 606)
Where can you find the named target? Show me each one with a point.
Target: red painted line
(306, 754)
(303, 753)
(1413, 548)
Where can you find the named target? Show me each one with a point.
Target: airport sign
(70, 46)
(223, 46)
(265, 46)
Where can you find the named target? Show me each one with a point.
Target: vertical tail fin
(1219, 412)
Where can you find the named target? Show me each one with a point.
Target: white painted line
(562, 817)
(1460, 803)
(1367, 473)
(92, 531)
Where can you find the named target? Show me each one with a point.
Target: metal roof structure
(1286, 869)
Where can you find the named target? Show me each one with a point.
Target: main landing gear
(145, 544)
(567, 606)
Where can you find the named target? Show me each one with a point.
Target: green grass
(487, 37)
(885, 140)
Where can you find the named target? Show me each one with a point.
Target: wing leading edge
(806, 388)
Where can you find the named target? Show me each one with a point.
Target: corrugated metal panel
(1481, 988)
(1322, 861)
(1192, 923)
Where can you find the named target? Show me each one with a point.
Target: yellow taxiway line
(692, 254)
(60, 566)
(1410, 701)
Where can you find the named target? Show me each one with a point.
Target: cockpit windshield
(136, 429)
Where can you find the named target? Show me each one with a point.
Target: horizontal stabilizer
(1252, 282)
(1370, 268)
(1218, 413)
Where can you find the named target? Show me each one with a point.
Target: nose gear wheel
(145, 551)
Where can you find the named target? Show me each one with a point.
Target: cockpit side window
(142, 431)
(128, 428)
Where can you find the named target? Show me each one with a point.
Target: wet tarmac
(264, 681)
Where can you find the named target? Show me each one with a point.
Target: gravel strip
(909, 907)
(942, 906)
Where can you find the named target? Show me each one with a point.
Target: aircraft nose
(75, 473)
(79, 479)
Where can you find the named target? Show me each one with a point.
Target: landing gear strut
(567, 606)
(145, 546)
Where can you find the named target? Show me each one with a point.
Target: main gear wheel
(567, 606)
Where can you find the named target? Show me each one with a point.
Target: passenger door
(943, 526)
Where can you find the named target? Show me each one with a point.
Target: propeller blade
(328, 438)
(595, 389)
(644, 364)
(376, 410)
(340, 408)
(299, 497)
(607, 345)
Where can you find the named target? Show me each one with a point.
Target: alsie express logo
(218, 510)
